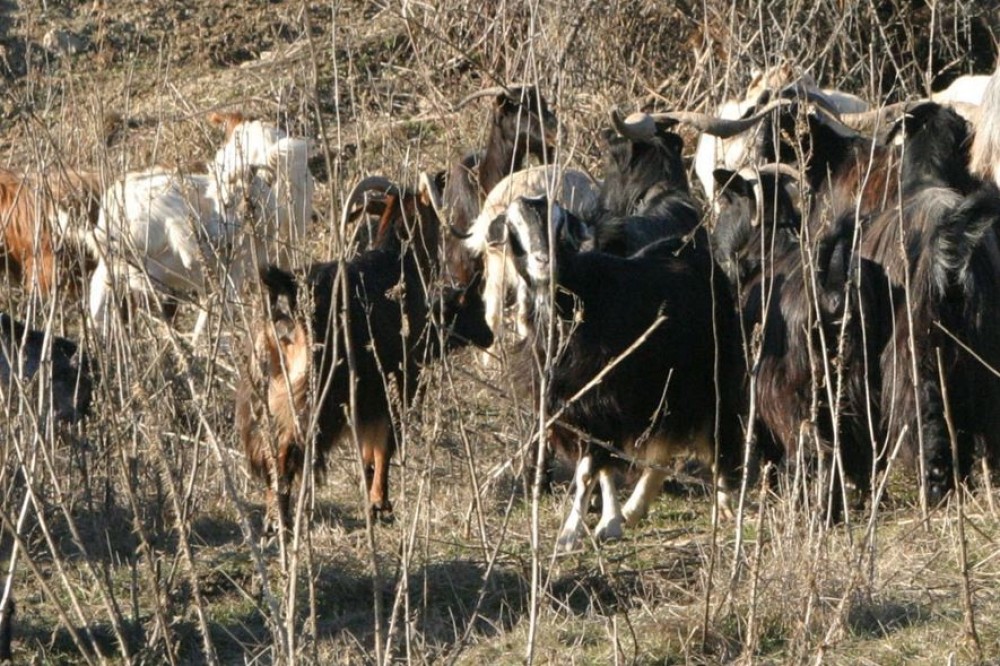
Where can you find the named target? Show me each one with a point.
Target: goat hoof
(568, 542)
(382, 512)
(609, 531)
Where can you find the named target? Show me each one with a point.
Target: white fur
(732, 153)
(965, 90)
(173, 233)
(575, 190)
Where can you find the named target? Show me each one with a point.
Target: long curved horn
(867, 121)
(488, 92)
(971, 112)
(773, 169)
(723, 128)
(637, 126)
(357, 194)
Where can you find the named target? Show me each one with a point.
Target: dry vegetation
(137, 533)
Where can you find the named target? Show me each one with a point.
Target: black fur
(72, 375)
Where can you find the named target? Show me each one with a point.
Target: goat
(395, 322)
(939, 245)
(653, 327)
(521, 125)
(23, 351)
(821, 336)
(984, 158)
(487, 238)
(169, 231)
(731, 152)
(44, 215)
(645, 195)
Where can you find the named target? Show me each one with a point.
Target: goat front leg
(610, 526)
(583, 481)
(646, 490)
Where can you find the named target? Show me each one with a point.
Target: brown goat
(37, 214)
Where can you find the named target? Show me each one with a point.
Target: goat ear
(733, 183)
(230, 120)
(496, 234)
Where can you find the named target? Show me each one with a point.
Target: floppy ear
(497, 232)
(229, 120)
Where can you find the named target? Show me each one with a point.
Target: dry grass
(137, 532)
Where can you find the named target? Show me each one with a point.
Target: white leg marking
(610, 527)
(572, 529)
(646, 490)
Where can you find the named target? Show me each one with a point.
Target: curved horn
(971, 112)
(779, 169)
(488, 92)
(357, 194)
(638, 126)
(867, 121)
(723, 128)
(428, 186)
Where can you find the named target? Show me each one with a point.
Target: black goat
(941, 244)
(395, 323)
(71, 370)
(818, 373)
(660, 334)
(757, 221)
(521, 125)
(645, 196)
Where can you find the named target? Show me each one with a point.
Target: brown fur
(279, 370)
(230, 120)
(29, 232)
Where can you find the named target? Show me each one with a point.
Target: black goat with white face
(662, 335)
(21, 357)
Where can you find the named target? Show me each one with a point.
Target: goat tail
(958, 234)
(278, 283)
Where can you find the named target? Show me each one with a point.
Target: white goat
(715, 152)
(575, 190)
(170, 232)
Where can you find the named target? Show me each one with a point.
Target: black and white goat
(648, 365)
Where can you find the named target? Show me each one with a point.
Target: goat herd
(836, 305)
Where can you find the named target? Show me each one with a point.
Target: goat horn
(723, 128)
(970, 112)
(867, 121)
(638, 126)
(428, 186)
(488, 92)
(779, 169)
(357, 194)
(507, 91)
